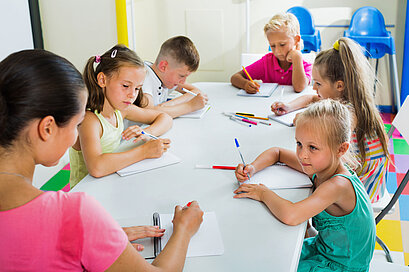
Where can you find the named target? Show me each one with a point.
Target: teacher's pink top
(59, 231)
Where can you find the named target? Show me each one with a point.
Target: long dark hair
(108, 63)
(35, 84)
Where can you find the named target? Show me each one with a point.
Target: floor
(393, 229)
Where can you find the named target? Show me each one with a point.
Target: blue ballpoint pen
(150, 135)
(241, 156)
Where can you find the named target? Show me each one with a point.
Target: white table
(254, 240)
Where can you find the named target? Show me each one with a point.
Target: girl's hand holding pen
(155, 148)
(242, 172)
(251, 87)
(280, 108)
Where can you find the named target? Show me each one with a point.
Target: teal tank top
(344, 243)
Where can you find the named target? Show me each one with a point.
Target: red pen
(188, 204)
(216, 167)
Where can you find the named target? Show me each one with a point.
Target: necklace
(15, 174)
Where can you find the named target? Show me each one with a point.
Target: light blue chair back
(368, 28)
(309, 34)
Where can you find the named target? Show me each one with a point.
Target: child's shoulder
(90, 119)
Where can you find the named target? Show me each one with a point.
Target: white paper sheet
(266, 89)
(196, 114)
(286, 119)
(281, 177)
(206, 242)
(167, 158)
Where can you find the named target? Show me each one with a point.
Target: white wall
(78, 29)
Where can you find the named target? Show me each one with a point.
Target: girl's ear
(101, 79)
(340, 85)
(343, 148)
(46, 127)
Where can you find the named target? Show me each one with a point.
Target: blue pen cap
(237, 142)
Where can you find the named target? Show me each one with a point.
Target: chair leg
(385, 249)
(394, 81)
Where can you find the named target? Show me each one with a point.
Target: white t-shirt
(153, 86)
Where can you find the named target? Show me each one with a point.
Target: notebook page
(286, 119)
(206, 242)
(167, 158)
(281, 177)
(266, 89)
(196, 114)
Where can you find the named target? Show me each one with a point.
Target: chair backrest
(368, 21)
(307, 26)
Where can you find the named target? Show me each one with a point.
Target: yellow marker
(244, 69)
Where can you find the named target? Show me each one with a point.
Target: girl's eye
(313, 147)
(299, 144)
(125, 86)
(283, 44)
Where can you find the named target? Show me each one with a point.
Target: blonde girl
(284, 65)
(343, 73)
(113, 86)
(339, 205)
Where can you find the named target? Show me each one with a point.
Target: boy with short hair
(177, 59)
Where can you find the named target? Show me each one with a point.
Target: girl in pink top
(285, 64)
(42, 101)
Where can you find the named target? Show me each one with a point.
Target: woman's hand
(140, 232)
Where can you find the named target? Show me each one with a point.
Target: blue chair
(367, 28)
(309, 34)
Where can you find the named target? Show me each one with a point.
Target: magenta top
(59, 231)
(268, 70)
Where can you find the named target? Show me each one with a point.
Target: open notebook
(196, 114)
(266, 89)
(281, 177)
(286, 119)
(206, 242)
(167, 158)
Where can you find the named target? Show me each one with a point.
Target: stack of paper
(281, 177)
(197, 114)
(286, 119)
(148, 164)
(266, 89)
(206, 242)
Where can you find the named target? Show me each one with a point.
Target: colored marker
(245, 120)
(150, 135)
(243, 113)
(192, 93)
(239, 121)
(241, 156)
(252, 117)
(215, 167)
(188, 204)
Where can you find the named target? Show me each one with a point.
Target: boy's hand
(241, 172)
(251, 87)
(253, 191)
(198, 102)
(280, 108)
(294, 55)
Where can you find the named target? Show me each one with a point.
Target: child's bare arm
(294, 213)
(267, 158)
(159, 122)
(101, 164)
(181, 105)
(299, 79)
(240, 81)
(280, 108)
